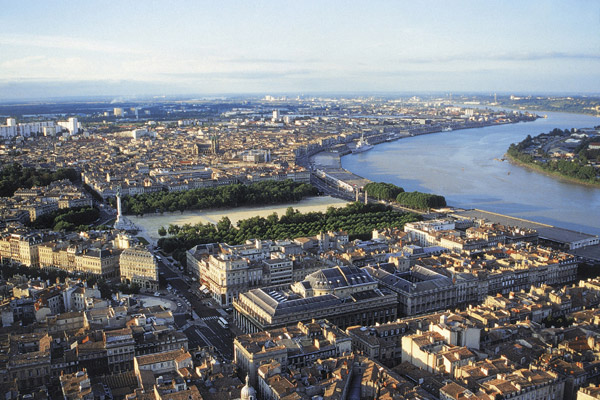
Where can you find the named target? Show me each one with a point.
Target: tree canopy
(357, 219)
(578, 168)
(236, 195)
(420, 201)
(14, 176)
(383, 191)
(67, 219)
(414, 200)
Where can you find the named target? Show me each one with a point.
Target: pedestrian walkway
(212, 318)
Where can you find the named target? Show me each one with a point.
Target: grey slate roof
(419, 279)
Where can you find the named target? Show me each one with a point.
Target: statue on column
(122, 222)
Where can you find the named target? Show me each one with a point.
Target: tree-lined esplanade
(357, 219)
(235, 195)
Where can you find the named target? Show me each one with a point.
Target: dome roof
(329, 279)
(248, 392)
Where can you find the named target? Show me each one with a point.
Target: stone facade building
(343, 295)
(138, 266)
(227, 271)
(295, 346)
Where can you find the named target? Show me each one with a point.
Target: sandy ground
(150, 223)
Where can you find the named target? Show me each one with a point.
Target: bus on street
(223, 322)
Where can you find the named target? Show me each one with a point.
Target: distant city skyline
(166, 48)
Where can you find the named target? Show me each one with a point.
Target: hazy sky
(164, 47)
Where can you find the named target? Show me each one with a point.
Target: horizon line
(252, 94)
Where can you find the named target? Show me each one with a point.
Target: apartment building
(227, 271)
(138, 266)
(419, 290)
(297, 346)
(161, 363)
(120, 349)
(21, 247)
(430, 351)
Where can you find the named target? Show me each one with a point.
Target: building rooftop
(173, 355)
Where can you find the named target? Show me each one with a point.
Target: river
(463, 166)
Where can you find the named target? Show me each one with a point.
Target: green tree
(357, 219)
(382, 190)
(63, 226)
(14, 176)
(267, 192)
(224, 224)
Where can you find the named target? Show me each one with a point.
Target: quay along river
(465, 166)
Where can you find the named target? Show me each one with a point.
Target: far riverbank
(552, 174)
(463, 167)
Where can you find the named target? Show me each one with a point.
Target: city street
(107, 213)
(194, 339)
(174, 278)
(217, 336)
(206, 331)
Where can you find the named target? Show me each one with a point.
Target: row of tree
(421, 201)
(414, 200)
(236, 195)
(357, 219)
(383, 191)
(70, 219)
(9, 270)
(14, 176)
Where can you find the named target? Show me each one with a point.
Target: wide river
(463, 166)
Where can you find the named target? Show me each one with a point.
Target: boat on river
(362, 146)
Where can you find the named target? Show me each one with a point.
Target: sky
(81, 48)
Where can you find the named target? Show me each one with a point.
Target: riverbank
(531, 108)
(541, 109)
(344, 149)
(553, 174)
(461, 166)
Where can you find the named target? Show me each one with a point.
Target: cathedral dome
(248, 392)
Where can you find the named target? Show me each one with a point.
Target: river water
(463, 166)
